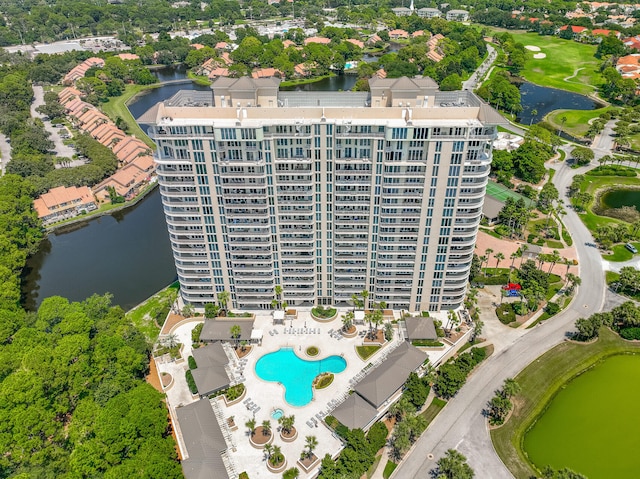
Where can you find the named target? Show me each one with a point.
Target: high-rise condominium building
(325, 194)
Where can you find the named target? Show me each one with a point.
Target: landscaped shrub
(502, 230)
(291, 473)
(234, 392)
(191, 383)
(323, 381)
(453, 374)
(506, 313)
(377, 436)
(521, 308)
(192, 363)
(195, 333)
(630, 333)
(312, 351)
(427, 343)
(324, 313)
(531, 238)
(612, 170)
(552, 308)
(243, 475)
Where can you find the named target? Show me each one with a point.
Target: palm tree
(268, 450)
(510, 387)
(235, 333)
(499, 256)
(310, 443)
(365, 296)
(223, 299)
(523, 250)
(266, 427)
(487, 254)
(513, 257)
(553, 258)
(347, 320)
(251, 425)
(286, 423)
(274, 303)
(534, 113)
(278, 291)
(377, 319)
(171, 341)
(276, 456)
(573, 281)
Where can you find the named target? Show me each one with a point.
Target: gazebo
(256, 336)
(358, 317)
(278, 317)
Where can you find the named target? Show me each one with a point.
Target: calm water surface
(591, 426)
(620, 198)
(544, 100)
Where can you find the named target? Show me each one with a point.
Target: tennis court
(501, 193)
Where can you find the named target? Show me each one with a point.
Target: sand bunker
(532, 48)
(538, 56)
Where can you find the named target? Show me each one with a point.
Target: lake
(591, 425)
(620, 198)
(544, 100)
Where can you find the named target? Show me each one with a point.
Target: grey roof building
(355, 412)
(210, 375)
(203, 440)
(491, 208)
(220, 329)
(388, 378)
(420, 328)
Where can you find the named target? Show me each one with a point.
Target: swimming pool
(295, 374)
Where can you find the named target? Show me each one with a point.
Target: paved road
(60, 148)
(461, 424)
(472, 82)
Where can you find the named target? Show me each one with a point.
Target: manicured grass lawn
(620, 253)
(365, 352)
(577, 121)
(388, 469)
(149, 316)
(117, 107)
(563, 58)
(539, 382)
(305, 81)
(433, 410)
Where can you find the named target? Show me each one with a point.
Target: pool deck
(267, 396)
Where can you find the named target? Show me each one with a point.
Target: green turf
(388, 469)
(576, 121)
(540, 381)
(365, 352)
(563, 58)
(117, 107)
(501, 193)
(433, 410)
(620, 253)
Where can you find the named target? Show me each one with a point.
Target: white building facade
(326, 194)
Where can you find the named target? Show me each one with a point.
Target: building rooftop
(203, 440)
(386, 379)
(220, 329)
(355, 412)
(420, 328)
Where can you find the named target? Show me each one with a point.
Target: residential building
(429, 12)
(629, 66)
(398, 33)
(326, 194)
(402, 11)
(79, 71)
(63, 203)
(457, 15)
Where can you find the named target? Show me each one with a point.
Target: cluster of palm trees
(212, 310)
(278, 302)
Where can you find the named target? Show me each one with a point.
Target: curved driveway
(461, 424)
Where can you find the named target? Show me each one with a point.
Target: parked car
(631, 248)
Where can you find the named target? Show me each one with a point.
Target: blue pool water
(295, 374)
(277, 414)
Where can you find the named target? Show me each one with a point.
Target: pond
(620, 198)
(127, 254)
(334, 83)
(591, 425)
(538, 101)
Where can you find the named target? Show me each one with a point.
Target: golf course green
(591, 425)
